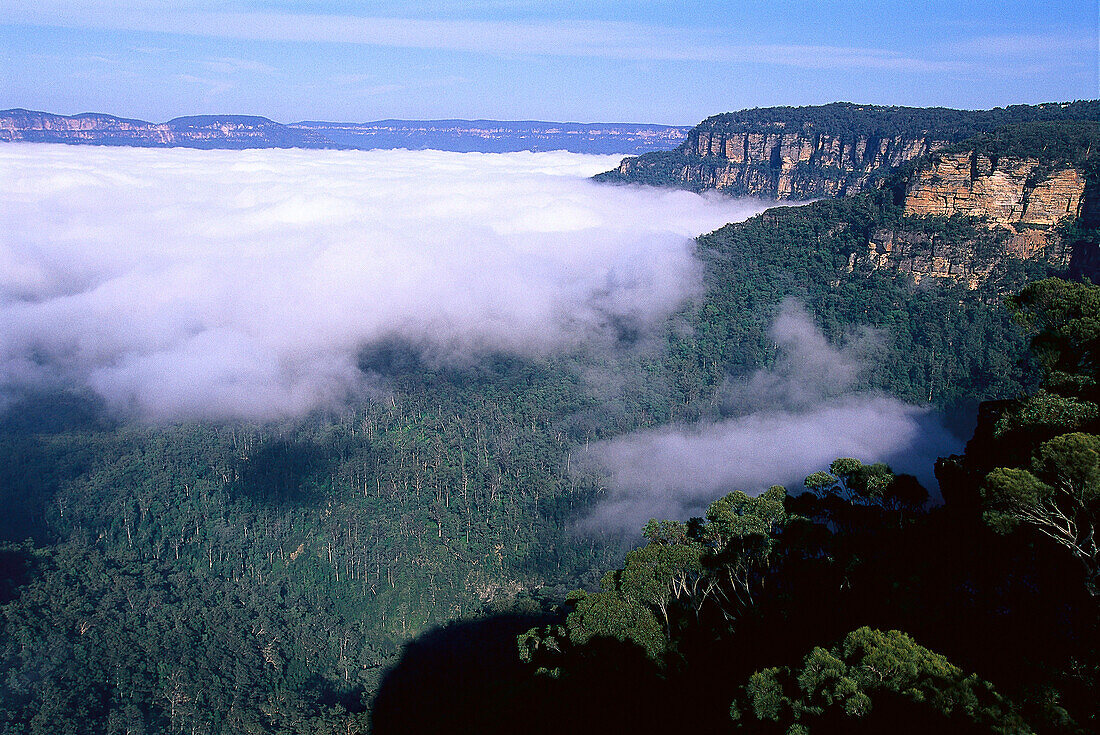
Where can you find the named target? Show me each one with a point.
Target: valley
(409, 515)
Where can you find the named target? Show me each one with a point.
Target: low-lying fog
(782, 424)
(182, 284)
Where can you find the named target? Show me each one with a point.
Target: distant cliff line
(821, 151)
(249, 131)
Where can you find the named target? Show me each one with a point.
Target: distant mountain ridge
(251, 131)
(200, 131)
(821, 151)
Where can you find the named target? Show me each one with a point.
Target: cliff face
(496, 136)
(780, 165)
(823, 151)
(226, 131)
(1008, 192)
(1016, 204)
(41, 127)
(970, 259)
(247, 131)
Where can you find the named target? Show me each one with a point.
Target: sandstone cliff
(967, 257)
(31, 126)
(246, 131)
(1007, 192)
(826, 151)
(1013, 206)
(782, 165)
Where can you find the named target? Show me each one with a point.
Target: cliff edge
(824, 151)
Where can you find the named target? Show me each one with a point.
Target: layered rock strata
(1019, 202)
(822, 151)
(781, 165)
(1009, 192)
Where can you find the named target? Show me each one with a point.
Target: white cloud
(559, 37)
(787, 422)
(232, 65)
(189, 284)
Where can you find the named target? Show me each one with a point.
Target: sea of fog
(182, 284)
(186, 284)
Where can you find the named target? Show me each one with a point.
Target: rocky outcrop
(1008, 192)
(923, 254)
(497, 136)
(825, 151)
(247, 131)
(1013, 204)
(42, 127)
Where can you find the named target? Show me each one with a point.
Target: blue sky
(599, 60)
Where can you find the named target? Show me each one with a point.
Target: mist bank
(775, 426)
(183, 284)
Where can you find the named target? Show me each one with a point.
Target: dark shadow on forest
(422, 366)
(55, 412)
(282, 471)
(17, 566)
(327, 697)
(390, 358)
(36, 457)
(467, 677)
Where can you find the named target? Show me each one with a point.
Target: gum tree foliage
(873, 672)
(1054, 487)
(852, 481)
(1058, 496)
(719, 562)
(1064, 318)
(851, 489)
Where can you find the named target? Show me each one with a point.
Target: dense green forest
(238, 578)
(1063, 143)
(849, 606)
(850, 119)
(232, 578)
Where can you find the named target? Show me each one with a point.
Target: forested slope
(847, 605)
(245, 578)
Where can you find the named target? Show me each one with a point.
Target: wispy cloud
(230, 65)
(211, 88)
(570, 38)
(787, 421)
(1023, 44)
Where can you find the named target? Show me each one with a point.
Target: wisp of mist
(185, 284)
(781, 424)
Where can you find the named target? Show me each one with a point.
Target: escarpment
(202, 131)
(826, 151)
(781, 165)
(1018, 191)
(1011, 192)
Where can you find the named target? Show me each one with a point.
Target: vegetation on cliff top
(1052, 143)
(850, 120)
